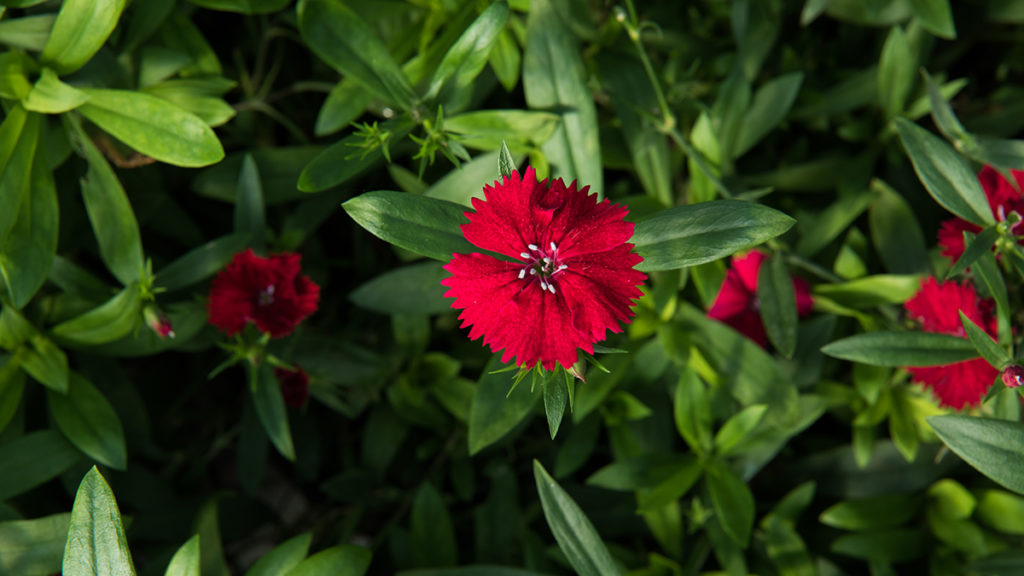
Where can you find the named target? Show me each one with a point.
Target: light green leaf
(738, 427)
(419, 224)
(45, 362)
(495, 410)
(871, 291)
(27, 32)
(51, 96)
(692, 411)
(690, 235)
(576, 536)
(945, 174)
(110, 213)
(451, 85)
(283, 557)
(269, 403)
(107, 322)
(153, 126)
(936, 16)
(19, 135)
(344, 560)
(33, 547)
(414, 289)
(347, 43)
(943, 115)
(506, 164)
(81, 28)
(89, 421)
(898, 349)
(488, 129)
(993, 447)
(186, 560)
(32, 460)
(554, 80)
(201, 262)
(96, 542)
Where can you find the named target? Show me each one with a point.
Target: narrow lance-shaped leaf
(942, 112)
(108, 322)
(33, 546)
(266, 396)
(88, 420)
(900, 349)
(698, 233)
(81, 28)
(778, 304)
(452, 83)
(19, 135)
(96, 541)
(993, 447)
(250, 215)
(506, 164)
(201, 262)
(497, 407)
(555, 395)
(51, 96)
(989, 349)
(422, 225)
(732, 500)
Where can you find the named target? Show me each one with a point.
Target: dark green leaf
(414, 289)
(12, 386)
(153, 126)
(888, 511)
(495, 410)
(32, 460)
(432, 532)
(895, 72)
(884, 546)
(283, 557)
(896, 233)
(732, 499)
(786, 549)
(778, 304)
(680, 478)
(346, 560)
(89, 421)
(243, 6)
(576, 536)
(96, 542)
(81, 28)
(699, 233)
(201, 262)
(943, 115)
(988, 348)
(33, 547)
(555, 396)
(452, 82)
(993, 447)
(45, 362)
(898, 349)
(250, 216)
(337, 34)
(945, 174)
(692, 411)
(346, 159)
(422, 225)
(769, 107)
(266, 396)
(107, 322)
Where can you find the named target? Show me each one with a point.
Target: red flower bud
(1013, 376)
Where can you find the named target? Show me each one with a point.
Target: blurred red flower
(572, 277)
(294, 385)
(737, 304)
(937, 306)
(269, 292)
(1003, 198)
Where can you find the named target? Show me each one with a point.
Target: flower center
(542, 264)
(266, 296)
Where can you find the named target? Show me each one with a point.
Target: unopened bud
(158, 322)
(1013, 376)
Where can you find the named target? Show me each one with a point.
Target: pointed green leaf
(51, 96)
(690, 235)
(96, 542)
(250, 217)
(346, 158)
(346, 560)
(692, 411)
(422, 225)
(12, 386)
(988, 348)
(738, 427)
(107, 322)
(283, 557)
(899, 349)
(936, 16)
(45, 362)
(81, 28)
(778, 304)
(732, 500)
(497, 406)
(431, 530)
(884, 511)
(153, 126)
(19, 135)
(943, 115)
(576, 536)
(89, 421)
(451, 85)
(895, 72)
(33, 546)
(201, 262)
(993, 447)
(555, 396)
(34, 459)
(186, 560)
(506, 164)
(896, 233)
(266, 396)
(768, 109)
(414, 289)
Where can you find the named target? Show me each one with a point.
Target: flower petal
(507, 220)
(957, 385)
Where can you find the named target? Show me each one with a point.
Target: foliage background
(697, 452)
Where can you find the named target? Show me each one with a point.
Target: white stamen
(532, 247)
(524, 254)
(522, 273)
(546, 260)
(552, 288)
(543, 286)
(533, 271)
(562, 267)
(553, 247)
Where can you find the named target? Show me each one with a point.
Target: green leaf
(28, 249)
(45, 362)
(489, 129)
(32, 460)
(886, 546)
(269, 403)
(896, 233)
(344, 159)
(19, 135)
(28, 32)
(96, 542)
(576, 536)
(153, 126)
(472, 570)
(89, 421)
(506, 164)
(732, 500)
(344, 105)
(886, 511)
(12, 386)
(555, 396)
(648, 470)
(250, 217)
(692, 411)
(107, 322)
(243, 6)
(677, 483)
(988, 348)
(871, 291)
(51, 96)
(898, 349)
(33, 547)
(991, 276)
(768, 109)
(414, 289)
(786, 549)
(942, 113)
(1002, 511)
(283, 557)
(738, 427)
(936, 16)
(497, 407)
(81, 28)
(211, 551)
(945, 174)
(186, 560)
(422, 225)
(895, 72)
(110, 213)
(452, 83)
(554, 80)
(690, 235)
(201, 97)
(347, 43)
(201, 263)
(993, 447)
(343, 560)
(432, 532)
(778, 304)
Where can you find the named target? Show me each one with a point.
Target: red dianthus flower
(737, 304)
(1003, 198)
(937, 307)
(269, 292)
(294, 385)
(571, 278)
